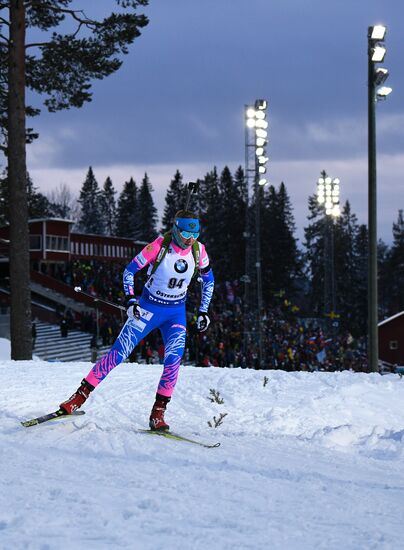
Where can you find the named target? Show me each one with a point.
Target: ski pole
(95, 299)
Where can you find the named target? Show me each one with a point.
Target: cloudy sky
(178, 101)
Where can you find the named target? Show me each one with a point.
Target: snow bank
(306, 460)
(5, 349)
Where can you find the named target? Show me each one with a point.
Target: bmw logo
(180, 266)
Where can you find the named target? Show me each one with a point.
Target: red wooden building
(52, 241)
(391, 339)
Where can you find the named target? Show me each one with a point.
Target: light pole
(256, 160)
(328, 196)
(376, 77)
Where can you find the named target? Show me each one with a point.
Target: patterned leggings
(172, 324)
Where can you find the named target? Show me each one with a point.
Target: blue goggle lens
(189, 234)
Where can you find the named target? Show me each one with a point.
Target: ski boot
(157, 422)
(78, 398)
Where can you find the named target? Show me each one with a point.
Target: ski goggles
(188, 234)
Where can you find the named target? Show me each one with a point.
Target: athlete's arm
(208, 280)
(144, 258)
(208, 284)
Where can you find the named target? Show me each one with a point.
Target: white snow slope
(308, 461)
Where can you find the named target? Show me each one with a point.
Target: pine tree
(314, 256)
(108, 206)
(346, 267)
(174, 201)
(38, 204)
(280, 255)
(210, 215)
(360, 306)
(90, 220)
(147, 211)
(231, 213)
(61, 67)
(127, 216)
(396, 266)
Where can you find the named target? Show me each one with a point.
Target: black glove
(132, 308)
(202, 321)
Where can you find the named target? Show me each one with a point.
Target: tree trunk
(20, 319)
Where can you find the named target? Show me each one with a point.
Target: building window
(393, 344)
(55, 242)
(35, 242)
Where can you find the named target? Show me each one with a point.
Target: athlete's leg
(132, 332)
(174, 332)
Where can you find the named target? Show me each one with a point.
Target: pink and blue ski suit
(162, 305)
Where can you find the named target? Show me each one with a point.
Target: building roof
(390, 318)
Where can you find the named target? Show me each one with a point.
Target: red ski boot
(157, 422)
(78, 398)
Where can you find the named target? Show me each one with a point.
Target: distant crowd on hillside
(289, 343)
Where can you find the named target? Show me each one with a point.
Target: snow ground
(306, 461)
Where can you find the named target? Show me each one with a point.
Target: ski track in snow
(311, 460)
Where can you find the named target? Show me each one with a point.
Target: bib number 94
(175, 283)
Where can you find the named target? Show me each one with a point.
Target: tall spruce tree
(61, 67)
(127, 215)
(174, 201)
(90, 220)
(395, 264)
(346, 267)
(147, 211)
(228, 219)
(280, 255)
(314, 256)
(360, 305)
(38, 204)
(108, 207)
(210, 213)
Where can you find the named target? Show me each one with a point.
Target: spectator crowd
(288, 342)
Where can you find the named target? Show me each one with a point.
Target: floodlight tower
(255, 170)
(376, 77)
(328, 196)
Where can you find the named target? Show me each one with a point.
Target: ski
(177, 437)
(60, 413)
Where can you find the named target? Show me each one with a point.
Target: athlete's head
(186, 228)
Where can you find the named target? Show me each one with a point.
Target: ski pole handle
(95, 299)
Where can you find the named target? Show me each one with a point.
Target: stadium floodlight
(260, 105)
(383, 92)
(259, 151)
(260, 114)
(380, 76)
(376, 77)
(378, 53)
(250, 113)
(260, 123)
(260, 142)
(377, 33)
(262, 170)
(262, 181)
(328, 190)
(261, 133)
